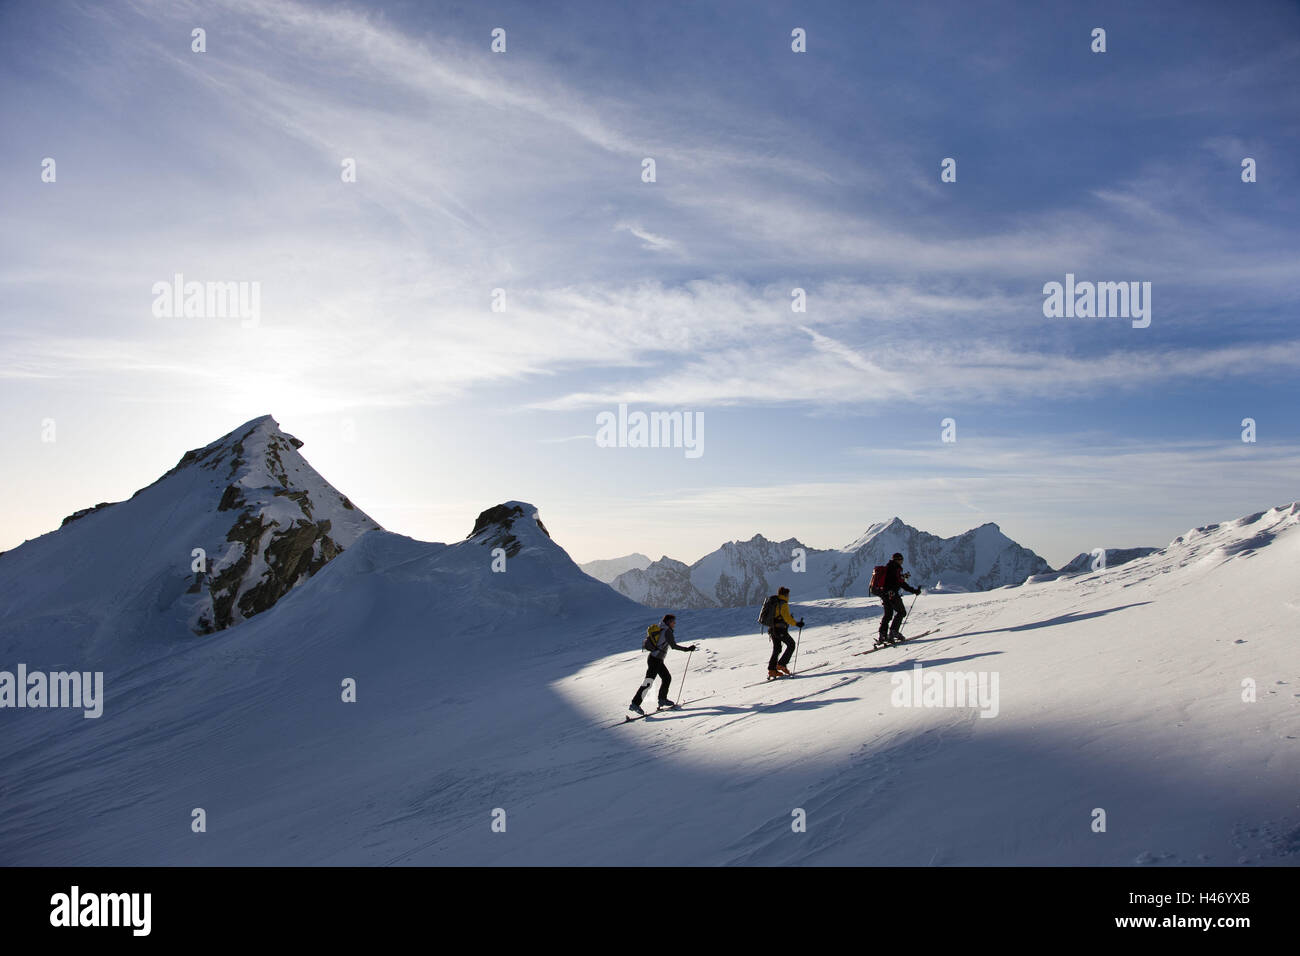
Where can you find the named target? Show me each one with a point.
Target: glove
(691, 648)
(800, 623)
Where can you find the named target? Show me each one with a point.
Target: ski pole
(683, 684)
(912, 605)
(796, 650)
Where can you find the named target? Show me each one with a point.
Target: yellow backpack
(651, 642)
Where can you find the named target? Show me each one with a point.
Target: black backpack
(767, 616)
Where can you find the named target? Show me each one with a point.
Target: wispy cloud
(648, 239)
(436, 221)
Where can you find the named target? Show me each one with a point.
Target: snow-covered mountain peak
(895, 526)
(252, 452)
(218, 538)
(512, 525)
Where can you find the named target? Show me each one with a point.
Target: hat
(898, 555)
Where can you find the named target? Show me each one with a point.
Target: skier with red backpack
(776, 617)
(886, 581)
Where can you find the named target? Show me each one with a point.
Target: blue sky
(522, 171)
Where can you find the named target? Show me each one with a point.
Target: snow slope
(480, 690)
(120, 577)
(741, 573)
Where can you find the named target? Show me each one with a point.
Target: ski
(873, 650)
(773, 680)
(629, 719)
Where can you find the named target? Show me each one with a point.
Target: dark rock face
(232, 498)
(224, 587)
(290, 556)
(273, 552)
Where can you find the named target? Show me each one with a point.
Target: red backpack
(878, 578)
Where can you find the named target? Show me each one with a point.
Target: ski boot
(785, 671)
(773, 673)
(667, 705)
(636, 709)
(896, 637)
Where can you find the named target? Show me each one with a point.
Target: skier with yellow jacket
(778, 620)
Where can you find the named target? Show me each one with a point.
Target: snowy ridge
(1205, 546)
(506, 580)
(1242, 536)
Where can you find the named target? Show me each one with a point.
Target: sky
(375, 340)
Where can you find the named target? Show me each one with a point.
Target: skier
(659, 637)
(779, 632)
(895, 611)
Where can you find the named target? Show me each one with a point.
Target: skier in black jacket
(895, 611)
(658, 639)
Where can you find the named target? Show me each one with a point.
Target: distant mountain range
(742, 573)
